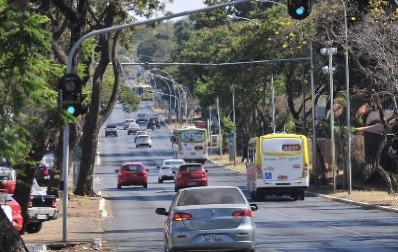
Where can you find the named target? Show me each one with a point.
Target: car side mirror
(161, 211)
(206, 170)
(147, 169)
(158, 167)
(116, 170)
(174, 172)
(253, 206)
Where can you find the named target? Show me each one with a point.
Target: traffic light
(299, 9)
(140, 91)
(70, 88)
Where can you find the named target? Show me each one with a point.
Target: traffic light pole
(69, 71)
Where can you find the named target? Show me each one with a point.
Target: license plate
(212, 238)
(191, 183)
(42, 217)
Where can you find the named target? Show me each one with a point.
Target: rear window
(211, 196)
(132, 168)
(191, 168)
(111, 126)
(173, 162)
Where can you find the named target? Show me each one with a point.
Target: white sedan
(167, 169)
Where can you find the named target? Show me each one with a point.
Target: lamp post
(330, 51)
(348, 105)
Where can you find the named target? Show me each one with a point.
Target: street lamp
(348, 105)
(234, 17)
(330, 51)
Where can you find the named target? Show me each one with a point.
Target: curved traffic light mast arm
(124, 26)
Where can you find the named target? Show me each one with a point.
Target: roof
(375, 128)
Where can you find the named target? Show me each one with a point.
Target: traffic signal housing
(140, 91)
(299, 9)
(70, 88)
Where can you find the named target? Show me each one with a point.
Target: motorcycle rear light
(182, 216)
(243, 213)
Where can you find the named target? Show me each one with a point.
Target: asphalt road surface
(315, 224)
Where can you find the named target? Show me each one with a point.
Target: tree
(28, 111)
(69, 22)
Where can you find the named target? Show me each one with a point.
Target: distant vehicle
(167, 168)
(132, 173)
(143, 140)
(277, 164)
(209, 219)
(153, 121)
(111, 130)
(190, 175)
(139, 133)
(190, 144)
(41, 208)
(133, 128)
(42, 173)
(7, 199)
(127, 123)
(8, 178)
(142, 118)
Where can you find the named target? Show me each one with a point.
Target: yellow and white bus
(277, 164)
(190, 144)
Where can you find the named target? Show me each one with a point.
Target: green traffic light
(71, 110)
(300, 10)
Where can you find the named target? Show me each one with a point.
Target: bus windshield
(193, 136)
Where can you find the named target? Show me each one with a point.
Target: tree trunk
(10, 239)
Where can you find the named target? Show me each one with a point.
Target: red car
(190, 175)
(132, 173)
(17, 220)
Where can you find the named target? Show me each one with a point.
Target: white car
(143, 140)
(167, 169)
(139, 133)
(127, 123)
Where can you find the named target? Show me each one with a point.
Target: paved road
(314, 224)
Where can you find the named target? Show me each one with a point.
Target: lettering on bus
(291, 147)
(188, 136)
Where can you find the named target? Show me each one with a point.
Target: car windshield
(208, 196)
(132, 168)
(173, 162)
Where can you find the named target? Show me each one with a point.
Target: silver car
(209, 218)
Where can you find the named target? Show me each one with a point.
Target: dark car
(153, 121)
(132, 173)
(190, 175)
(111, 129)
(42, 173)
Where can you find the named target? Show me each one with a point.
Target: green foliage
(27, 101)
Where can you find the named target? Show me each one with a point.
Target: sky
(181, 6)
(185, 5)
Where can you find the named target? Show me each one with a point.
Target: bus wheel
(301, 194)
(258, 195)
(295, 195)
(252, 195)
